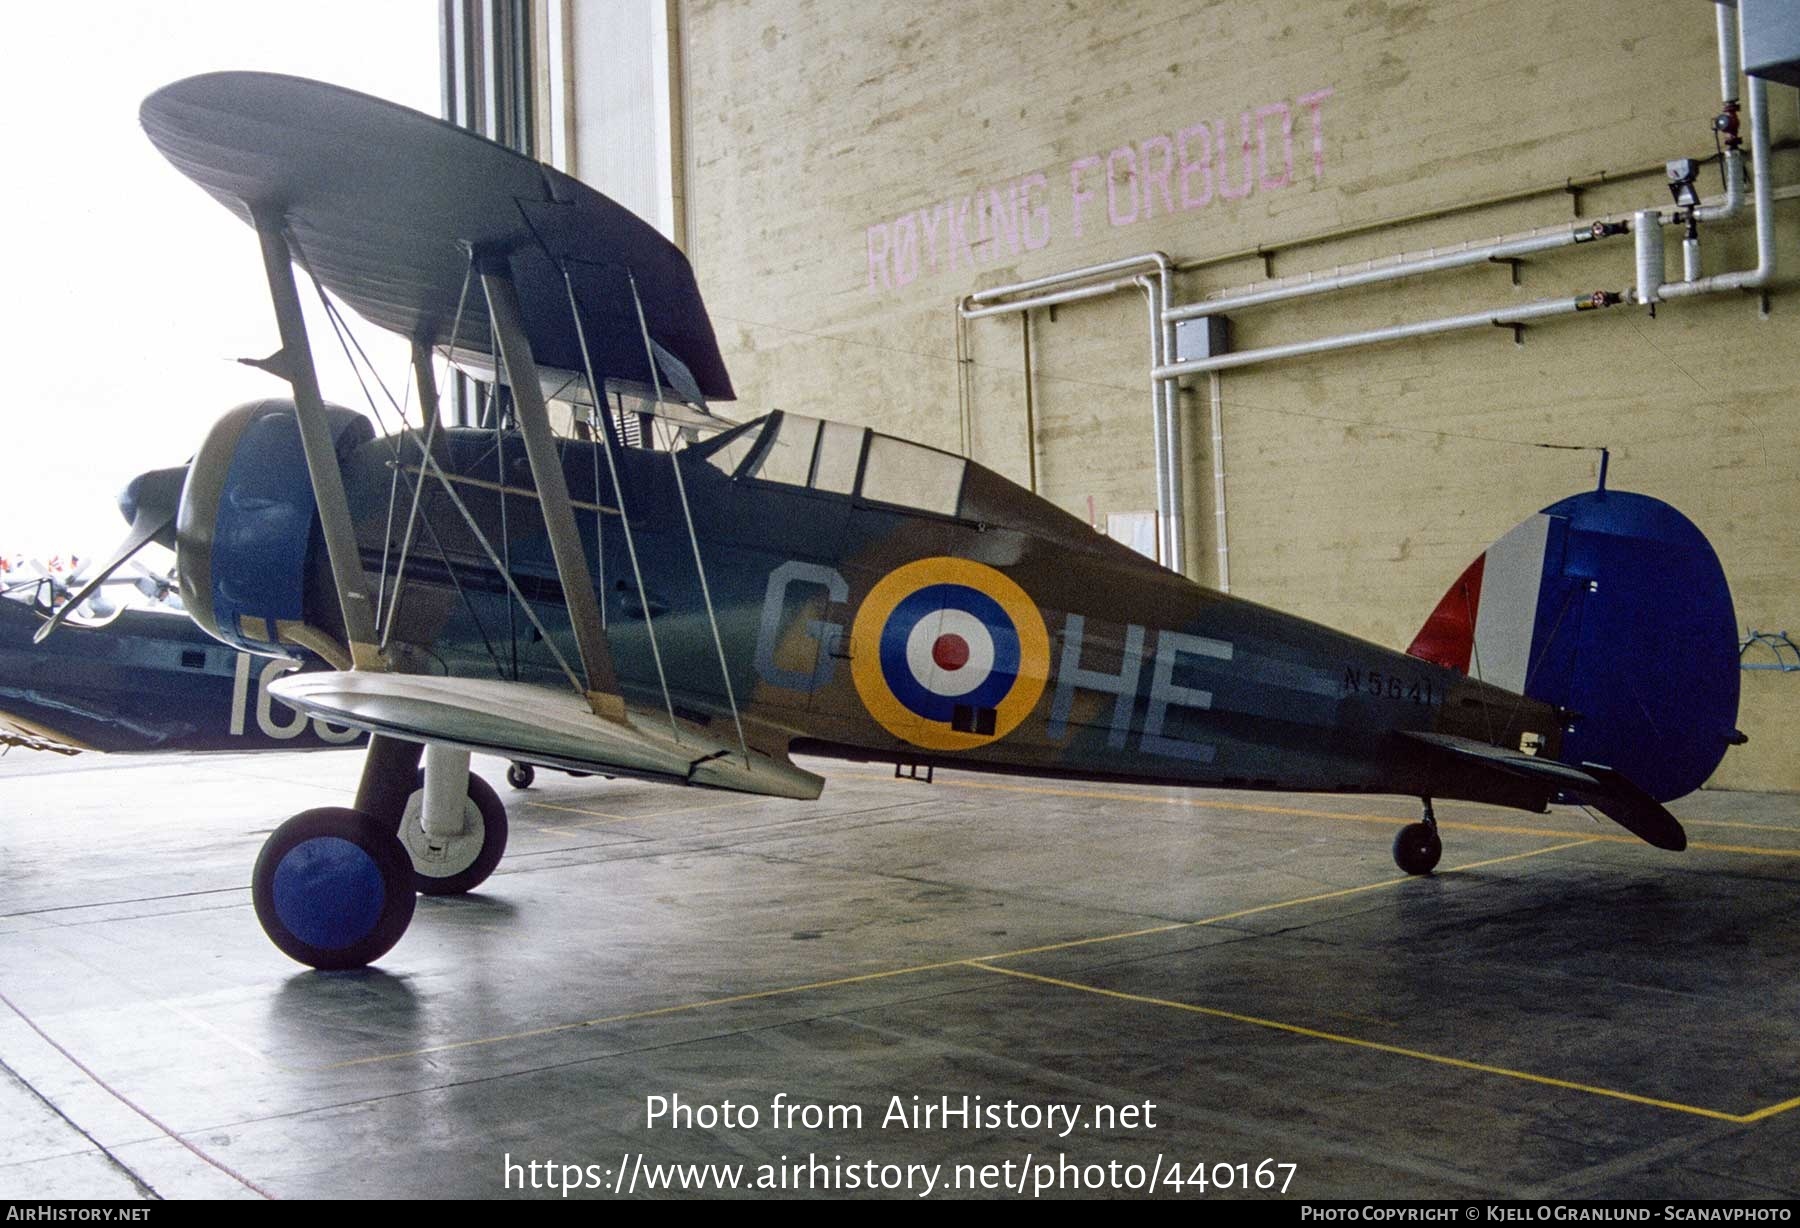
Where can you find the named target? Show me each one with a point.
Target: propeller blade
(149, 503)
(157, 494)
(139, 537)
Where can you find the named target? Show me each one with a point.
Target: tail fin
(1613, 606)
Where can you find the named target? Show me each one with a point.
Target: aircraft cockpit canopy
(839, 459)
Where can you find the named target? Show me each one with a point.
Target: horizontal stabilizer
(540, 725)
(1517, 762)
(1633, 809)
(1606, 790)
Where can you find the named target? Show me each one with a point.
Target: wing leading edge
(522, 721)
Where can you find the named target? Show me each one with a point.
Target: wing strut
(294, 364)
(553, 491)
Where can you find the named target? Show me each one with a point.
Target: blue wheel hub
(328, 892)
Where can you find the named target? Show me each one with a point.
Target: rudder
(1613, 606)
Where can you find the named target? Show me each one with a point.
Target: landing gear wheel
(333, 889)
(1417, 848)
(520, 775)
(453, 865)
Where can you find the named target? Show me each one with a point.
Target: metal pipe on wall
(1223, 550)
(1732, 203)
(1168, 529)
(1731, 62)
(1155, 277)
(1174, 462)
(1057, 298)
(1030, 403)
(1498, 249)
(1085, 273)
(1541, 309)
(1730, 66)
(1647, 239)
(1763, 206)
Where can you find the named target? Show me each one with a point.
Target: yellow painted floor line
(606, 817)
(1261, 908)
(568, 832)
(654, 1013)
(1707, 846)
(887, 974)
(1738, 823)
(1400, 1050)
(1150, 799)
(1772, 1110)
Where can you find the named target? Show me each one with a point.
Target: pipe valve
(1603, 230)
(1725, 123)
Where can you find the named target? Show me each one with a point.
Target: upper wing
(522, 721)
(1605, 790)
(379, 200)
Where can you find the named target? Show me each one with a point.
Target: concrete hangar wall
(844, 174)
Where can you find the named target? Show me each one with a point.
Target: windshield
(795, 450)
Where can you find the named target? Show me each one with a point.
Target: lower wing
(552, 727)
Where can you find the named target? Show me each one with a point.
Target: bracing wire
(594, 428)
(693, 539)
(505, 575)
(512, 627)
(346, 339)
(431, 424)
(595, 392)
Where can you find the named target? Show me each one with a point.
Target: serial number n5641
(1379, 685)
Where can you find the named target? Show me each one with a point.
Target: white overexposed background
(127, 293)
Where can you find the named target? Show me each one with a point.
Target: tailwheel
(333, 888)
(520, 775)
(451, 863)
(1417, 847)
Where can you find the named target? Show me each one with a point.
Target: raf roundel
(948, 654)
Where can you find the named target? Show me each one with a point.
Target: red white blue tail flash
(1613, 606)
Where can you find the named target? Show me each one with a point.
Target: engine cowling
(248, 525)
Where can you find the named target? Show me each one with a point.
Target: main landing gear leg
(454, 825)
(333, 888)
(1417, 847)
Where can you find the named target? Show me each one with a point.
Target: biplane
(653, 592)
(142, 681)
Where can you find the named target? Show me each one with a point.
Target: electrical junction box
(1771, 35)
(1206, 337)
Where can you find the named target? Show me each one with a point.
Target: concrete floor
(1559, 1012)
